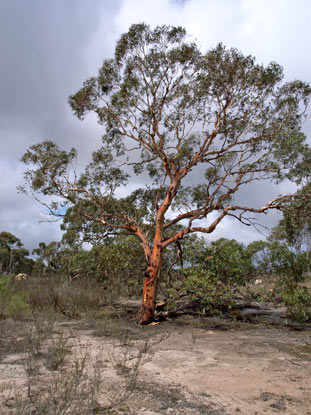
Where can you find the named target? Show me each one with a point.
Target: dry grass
(63, 375)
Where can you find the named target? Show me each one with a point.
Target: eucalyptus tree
(193, 127)
(13, 257)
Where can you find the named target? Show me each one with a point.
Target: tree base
(145, 315)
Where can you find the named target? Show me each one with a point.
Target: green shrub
(227, 259)
(211, 293)
(17, 308)
(5, 294)
(13, 302)
(297, 300)
(292, 266)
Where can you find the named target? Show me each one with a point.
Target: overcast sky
(48, 48)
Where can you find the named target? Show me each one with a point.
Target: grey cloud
(44, 50)
(48, 48)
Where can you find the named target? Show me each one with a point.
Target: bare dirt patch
(245, 369)
(205, 366)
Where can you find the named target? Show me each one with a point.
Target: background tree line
(209, 274)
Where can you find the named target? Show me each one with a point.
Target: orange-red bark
(151, 277)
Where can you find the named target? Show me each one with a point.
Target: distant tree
(259, 255)
(59, 258)
(13, 257)
(194, 127)
(286, 263)
(48, 256)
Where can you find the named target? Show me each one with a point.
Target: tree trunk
(151, 277)
(308, 247)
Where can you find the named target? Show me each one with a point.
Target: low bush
(211, 293)
(5, 294)
(297, 299)
(13, 300)
(18, 307)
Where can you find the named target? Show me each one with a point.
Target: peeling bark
(151, 278)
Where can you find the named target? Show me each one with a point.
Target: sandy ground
(205, 367)
(246, 370)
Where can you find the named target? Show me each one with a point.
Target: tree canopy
(193, 127)
(13, 257)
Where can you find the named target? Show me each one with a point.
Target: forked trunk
(151, 276)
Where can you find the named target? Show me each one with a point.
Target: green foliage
(295, 227)
(221, 266)
(277, 259)
(297, 298)
(120, 265)
(13, 301)
(117, 264)
(287, 271)
(53, 162)
(5, 295)
(286, 263)
(214, 270)
(228, 260)
(13, 258)
(48, 257)
(211, 293)
(18, 307)
(61, 259)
